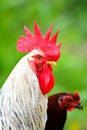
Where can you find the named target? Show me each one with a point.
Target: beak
(52, 63)
(79, 106)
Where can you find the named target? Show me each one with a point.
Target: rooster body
(58, 105)
(23, 100)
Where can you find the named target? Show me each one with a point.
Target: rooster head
(44, 52)
(69, 101)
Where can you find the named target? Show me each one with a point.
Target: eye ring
(68, 99)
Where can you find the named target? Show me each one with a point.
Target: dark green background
(70, 17)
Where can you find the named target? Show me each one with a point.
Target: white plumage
(22, 104)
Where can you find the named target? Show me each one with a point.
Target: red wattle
(46, 79)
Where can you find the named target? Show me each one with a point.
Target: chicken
(23, 99)
(58, 105)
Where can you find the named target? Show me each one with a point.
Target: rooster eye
(39, 56)
(68, 99)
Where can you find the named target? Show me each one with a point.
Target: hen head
(43, 54)
(69, 101)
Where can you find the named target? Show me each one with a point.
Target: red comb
(77, 94)
(37, 41)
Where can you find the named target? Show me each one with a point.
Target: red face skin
(43, 70)
(69, 102)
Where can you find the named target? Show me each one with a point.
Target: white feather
(22, 105)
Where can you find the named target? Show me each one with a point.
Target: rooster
(23, 99)
(58, 105)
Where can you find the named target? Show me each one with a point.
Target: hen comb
(77, 94)
(37, 41)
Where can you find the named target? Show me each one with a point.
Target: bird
(23, 96)
(58, 106)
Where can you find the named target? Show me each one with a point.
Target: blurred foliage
(70, 17)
